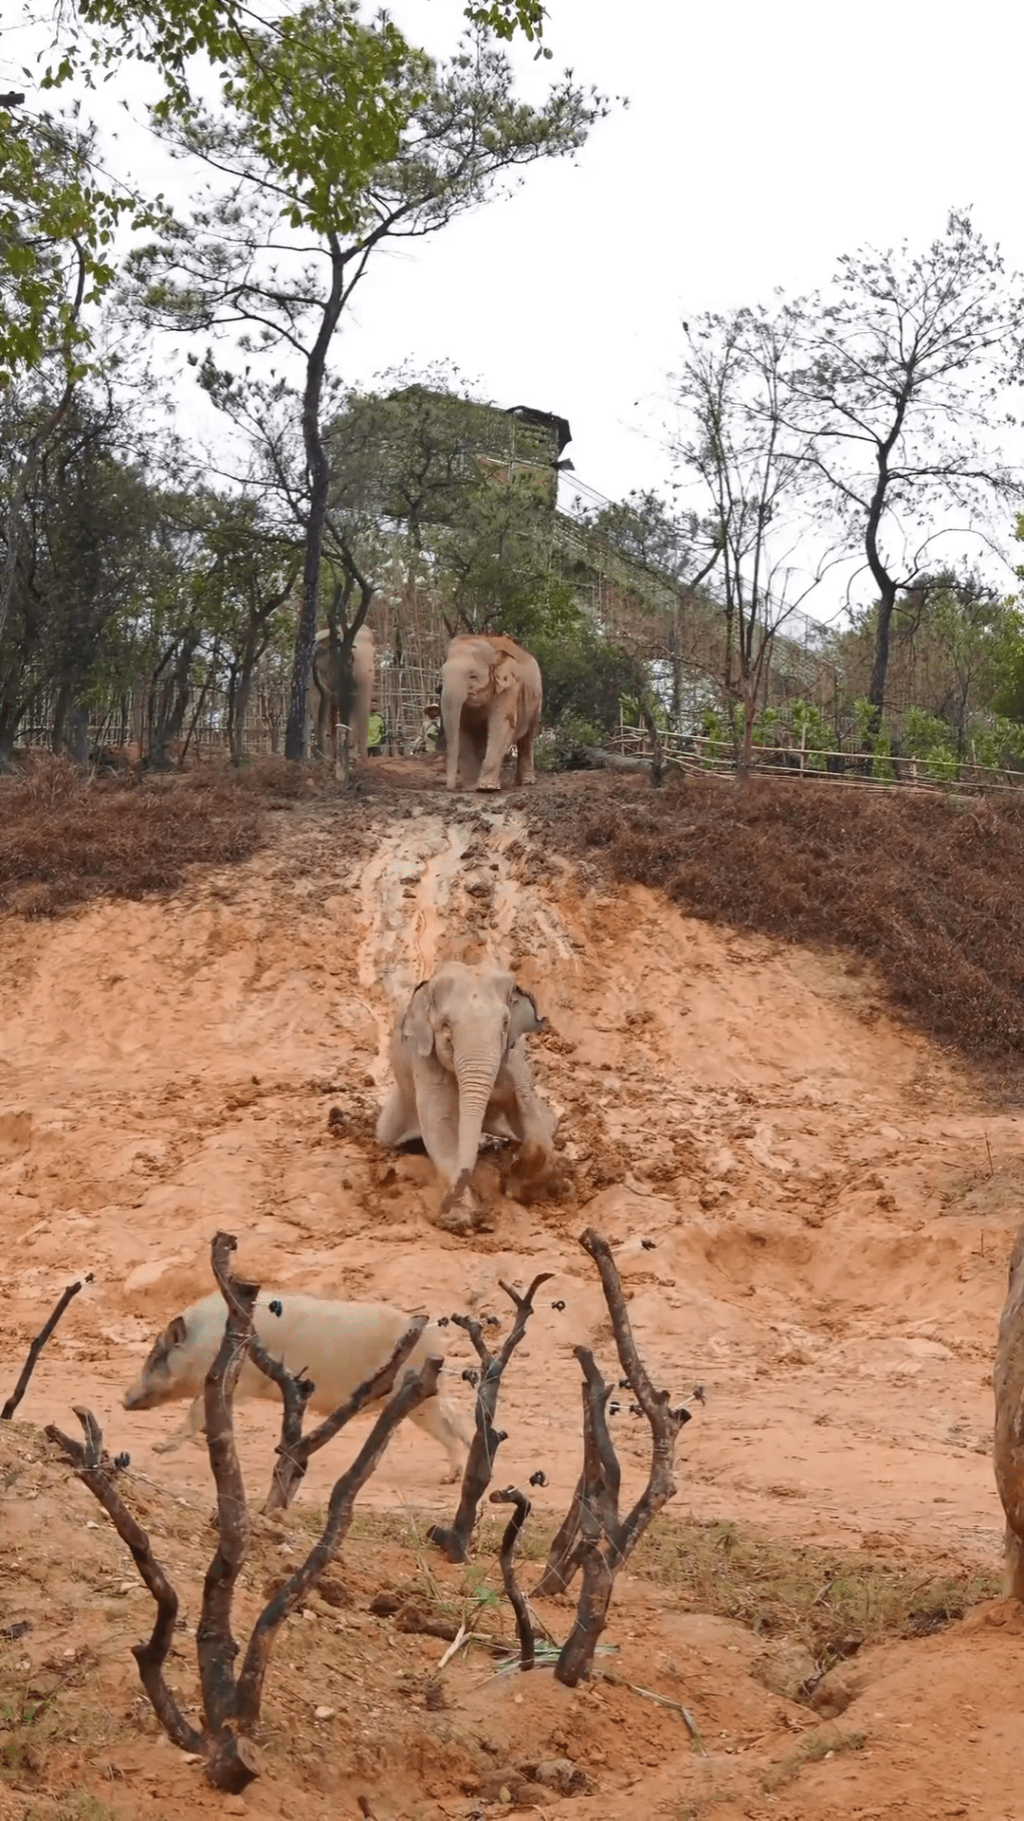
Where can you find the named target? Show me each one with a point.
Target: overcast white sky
(759, 144)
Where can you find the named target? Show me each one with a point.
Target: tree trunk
(61, 705)
(175, 701)
(23, 481)
(677, 671)
(880, 666)
(749, 716)
(295, 740)
(80, 734)
(240, 694)
(657, 749)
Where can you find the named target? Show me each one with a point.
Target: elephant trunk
(477, 1061)
(453, 695)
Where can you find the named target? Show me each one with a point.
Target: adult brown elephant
(491, 698)
(322, 700)
(461, 1069)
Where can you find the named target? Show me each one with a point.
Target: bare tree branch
(510, 1495)
(230, 1711)
(295, 1450)
(454, 1539)
(93, 1468)
(415, 1390)
(37, 1346)
(593, 1536)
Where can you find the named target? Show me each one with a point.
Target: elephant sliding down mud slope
(322, 704)
(491, 698)
(461, 1069)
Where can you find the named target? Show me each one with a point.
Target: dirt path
(830, 1205)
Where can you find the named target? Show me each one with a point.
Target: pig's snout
(139, 1397)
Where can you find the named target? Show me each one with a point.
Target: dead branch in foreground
(295, 1395)
(1008, 1438)
(564, 1554)
(295, 1450)
(454, 1539)
(593, 1535)
(231, 1708)
(506, 1558)
(95, 1469)
(37, 1346)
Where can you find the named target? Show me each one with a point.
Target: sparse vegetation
(827, 1599)
(929, 889)
(828, 1743)
(830, 1600)
(66, 838)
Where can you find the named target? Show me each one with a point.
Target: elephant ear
(503, 676)
(416, 1026)
(524, 1016)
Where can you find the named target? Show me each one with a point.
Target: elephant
(322, 700)
(461, 1069)
(491, 698)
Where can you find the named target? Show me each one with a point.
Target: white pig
(336, 1344)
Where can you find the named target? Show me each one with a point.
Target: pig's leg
(447, 1427)
(192, 1429)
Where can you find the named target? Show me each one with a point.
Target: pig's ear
(175, 1332)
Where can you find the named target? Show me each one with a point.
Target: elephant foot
(459, 1220)
(459, 1208)
(492, 789)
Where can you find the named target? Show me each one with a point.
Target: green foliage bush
(586, 678)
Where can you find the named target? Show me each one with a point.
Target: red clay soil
(829, 1203)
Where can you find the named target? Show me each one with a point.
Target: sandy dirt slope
(830, 1204)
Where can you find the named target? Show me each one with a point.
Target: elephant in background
(491, 698)
(461, 1069)
(322, 704)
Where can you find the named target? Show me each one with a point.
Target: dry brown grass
(929, 888)
(65, 837)
(831, 1600)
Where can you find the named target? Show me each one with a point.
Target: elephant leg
(323, 728)
(498, 743)
(525, 772)
(526, 1118)
(469, 758)
(399, 1120)
(529, 1120)
(437, 1107)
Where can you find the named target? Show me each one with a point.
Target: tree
(87, 520)
(947, 649)
(475, 511)
(56, 226)
(674, 548)
(169, 34)
(902, 374)
(750, 467)
(493, 565)
(247, 591)
(239, 264)
(585, 680)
